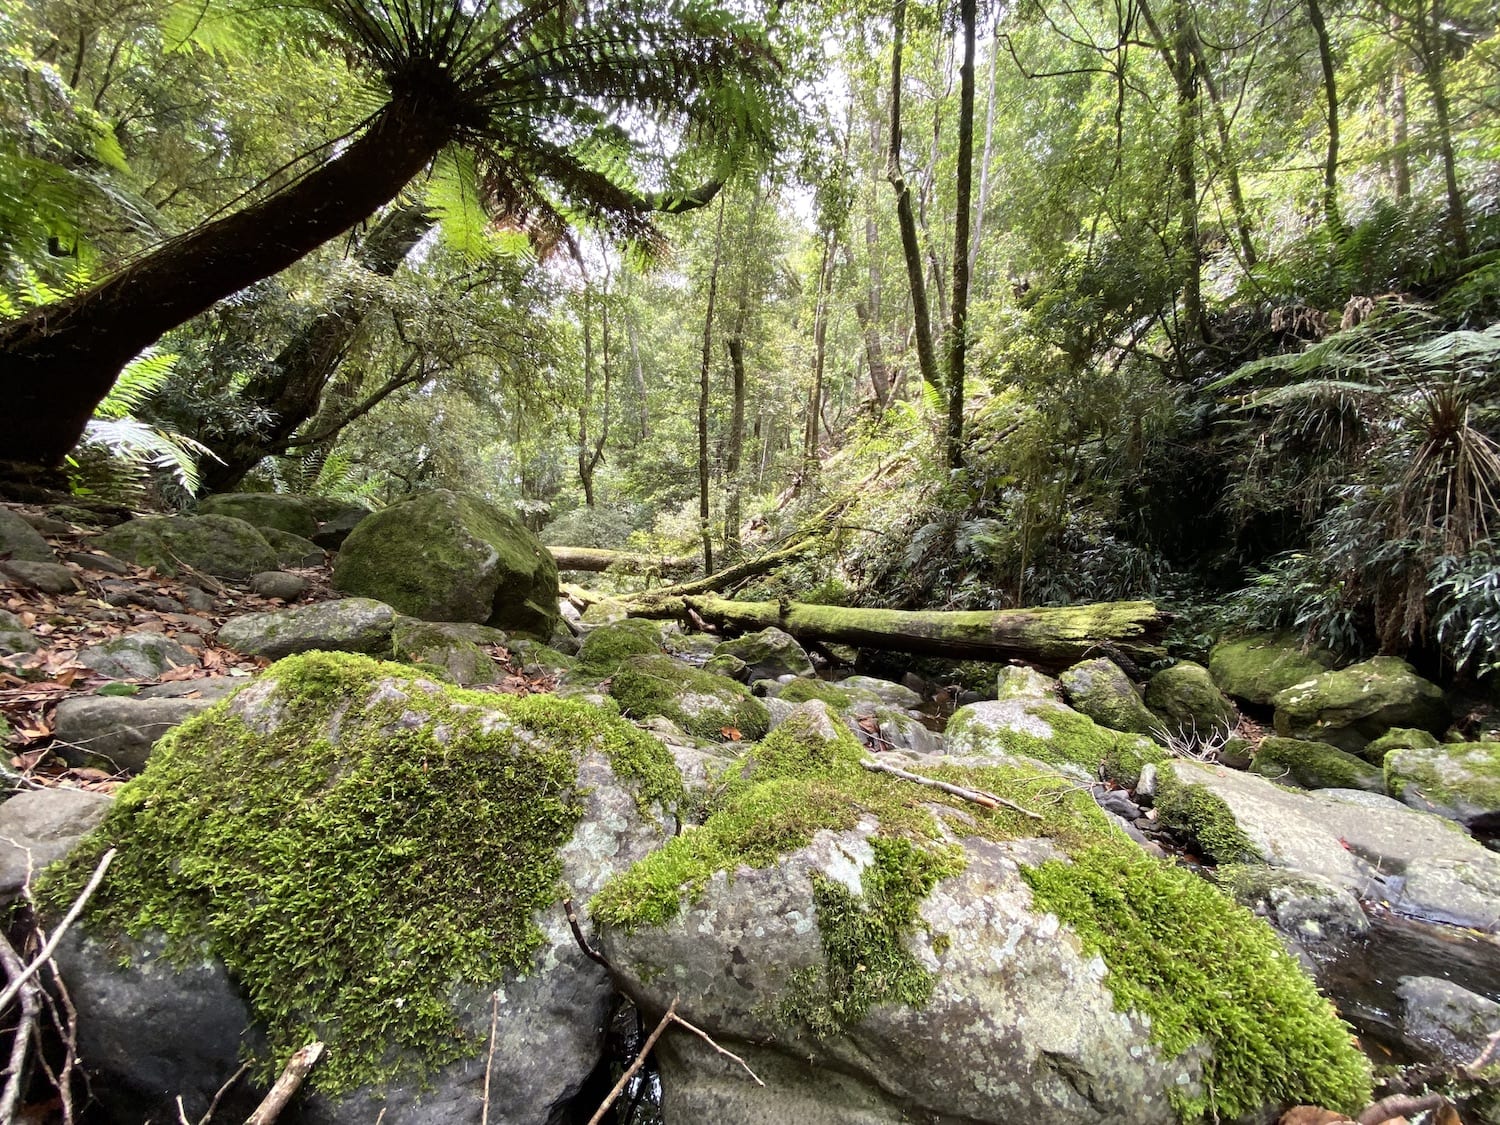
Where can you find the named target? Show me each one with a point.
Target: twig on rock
(26, 1029)
(292, 1075)
(213, 1105)
(1399, 1105)
(489, 1062)
(588, 951)
(974, 796)
(1483, 1058)
(69, 918)
(703, 1035)
(635, 1067)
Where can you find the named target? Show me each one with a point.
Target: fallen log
(595, 560)
(1052, 638)
(748, 568)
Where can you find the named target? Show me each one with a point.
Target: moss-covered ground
(353, 868)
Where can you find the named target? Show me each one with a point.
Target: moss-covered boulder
(1352, 706)
(605, 646)
(768, 654)
(1187, 701)
(1460, 781)
(1255, 668)
(1307, 910)
(1101, 690)
(868, 711)
(1314, 765)
(222, 546)
(1038, 726)
(280, 510)
(136, 656)
(704, 705)
(293, 550)
(346, 625)
(22, 542)
(1399, 738)
(372, 856)
(454, 646)
(883, 953)
(449, 556)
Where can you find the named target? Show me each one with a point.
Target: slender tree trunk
(1227, 159)
(905, 217)
(638, 375)
(820, 356)
(705, 529)
(984, 162)
(290, 390)
(58, 362)
(1400, 142)
(732, 500)
(1331, 213)
(868, 312)
(958, 342)
(1430, 47)
(591, 453)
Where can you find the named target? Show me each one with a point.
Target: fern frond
(142, 378)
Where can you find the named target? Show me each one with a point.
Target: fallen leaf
(1312, 1115)
(731, 734)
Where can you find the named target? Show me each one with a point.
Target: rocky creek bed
(373, 852)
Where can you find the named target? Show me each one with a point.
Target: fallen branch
(291, 1079)
(703, 1035)
(635, 1067)
(733, 575)
(595, 560)
(69, 918)
(213, 1105)
(588, 951)
(974, 796)
(25, 1031)
(1400, 1106)
(489, 1062)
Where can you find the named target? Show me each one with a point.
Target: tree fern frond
(142, 378)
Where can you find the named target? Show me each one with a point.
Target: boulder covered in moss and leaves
(449, 556)
(222, 546)
(1255, 668)
(1100, 689)
(701, 703)
(1314, 765)
(280, 510)
(372, 856)
(1460, 781)
(1188, 703)
(345, 625)
(768, 655)
(1359, 703)
(883, 952)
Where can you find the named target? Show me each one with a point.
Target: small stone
(14, 636)
(1117, 802)
(293, 550)
(1145, 788)
(39, 827)
(199, 601)
(48, 577)
(91, 561)
(136, 656)
(1445, 1020)
(278, 584)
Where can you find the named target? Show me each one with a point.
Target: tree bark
(1431, 50)
(1052, 638)
(958, 342)
(1228, 162)
(704, 386)
(59, 361)
(732, 466)
(820, 357)
(595, 560)
(1331, 213)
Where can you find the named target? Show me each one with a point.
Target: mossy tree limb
(596, 560)
(1052, 638)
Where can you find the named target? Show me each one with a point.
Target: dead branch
(213, 1105)
(588, 951)
(69, 918)
(703, 1035)
(974, 796)
(635, 1067)
(1399, 1105)
(292, 1076)
(489, 1062)
(1490, 1046)
(26, 1029)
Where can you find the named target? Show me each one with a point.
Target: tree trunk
(61, 360)
(984, 160)
(958, 342)
(1227, 159)
(596, 560)
(1400, 152)
(732, 466)
(906, 218)
(1430, 48)
(820, 356)
(1053, 638)
(705, 530)
(1331, 214)
(290, 390)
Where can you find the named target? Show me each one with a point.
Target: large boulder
(1361, 702)
(1189, 703)
(1452, 1024)
(701, 703)
(768, 654)
(1314, 765)
(377, 857)
(1100, 689)
(347, 625)
(218, 545)
(879, 960)
(1255, 668)
(1460, 781)
(448, 556)
(293, 550)
(865, 705)
(278, 510)
(1376, 847)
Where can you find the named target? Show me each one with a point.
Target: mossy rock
(915, 894)
(1459, 781)
(1042, 728)
(768, 654)
(1359, 703)
(449, 556)
(452, 646)
(1314, 765)
(699, 702)
(371, 854)
(279, 510)
(726, 664)
(342, 625)
(218, 545)
(1101, 690)
(605, 646)
(1204, 820)
(1187, 701)
(14, 636)
(1255, 668)
(1399, 738)
(292, 549)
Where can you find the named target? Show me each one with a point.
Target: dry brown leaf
(731, 734)
(1312, 1115)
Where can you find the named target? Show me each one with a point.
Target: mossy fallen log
(1051, 638)
(595, 560)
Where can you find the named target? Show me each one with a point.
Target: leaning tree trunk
(1052, 638)
(958, 338)
(59, 361)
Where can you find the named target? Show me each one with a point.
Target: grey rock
(1460, 781)
(46, 524)
(1350, 707)
(120, 729)
(136, 656)
(218, 545)
(48, 577)
(349, 625)
(90, 560)
(278, 584)
(768, 654)
(1118, 802)
(891, 694)
(335, 527)
(39, 827)
(279, 510)
(14, 636)
(1306, 909)
(212, 688)
(895, 729)
(1100, 689)
(199, 601)
(452, 646)
(294, 550)
(20, 541)
(1446, 1021)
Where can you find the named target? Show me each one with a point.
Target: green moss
(1458, 775)
(605, 647)
(699, 702)
(1206, 971)
(1046, 730)
(802, 689)
(1314, 765)
(354, 889)
(1204, 818)
(865, 959)
(1400, 738)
